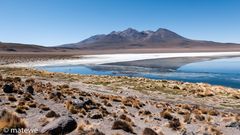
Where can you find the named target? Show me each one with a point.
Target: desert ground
(58, 103)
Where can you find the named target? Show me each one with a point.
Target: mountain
(133, 39)
(127, 41)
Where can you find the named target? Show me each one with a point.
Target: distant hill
(17, 47)
(133, 39)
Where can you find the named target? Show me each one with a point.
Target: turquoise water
(224, 72)
(226, 66)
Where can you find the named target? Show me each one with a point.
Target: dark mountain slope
(133, 39)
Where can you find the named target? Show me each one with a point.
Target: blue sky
(54, 22)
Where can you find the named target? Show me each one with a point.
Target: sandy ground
(119, 105)
(11, 58)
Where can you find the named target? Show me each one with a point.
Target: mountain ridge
(129, 40)
(134, 39)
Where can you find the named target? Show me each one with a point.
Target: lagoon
(225, 72)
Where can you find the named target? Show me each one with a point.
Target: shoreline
(167, 64)
(117, 58)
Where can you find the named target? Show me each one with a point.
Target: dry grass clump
(86, 128)
(17, 79)
(205, 93)
(213, 112)
(187, 118)
(127, 119)
(43, 107)
(149, 131)
(166, 115)
(8, 79)
(21, 109)
(212, 130)
(144, 112)
(1, 77)
(186, 106)
(27, 97)
(107, 103)
(10, 120)
(69, 105)
(12, 98)
(30, 81)
(175, 124)
(132, 102)
(123, 125)
(182, 112)
(200, 117)
(116, 98)
(32, 104)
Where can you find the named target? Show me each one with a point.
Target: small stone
(51, 114)
(96, 116)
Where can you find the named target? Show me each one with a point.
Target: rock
(8, 88)
(234, 125)
(30, 90)
(149, 131)
(78, 104)
(119, 124)
(62, 125)
(51, 114)
(96, 115)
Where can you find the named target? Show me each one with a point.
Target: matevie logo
(20, 130)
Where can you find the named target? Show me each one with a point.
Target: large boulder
(8, 88)
(62, 125)
(30, 90)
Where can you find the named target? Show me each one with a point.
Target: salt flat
(111, 58)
